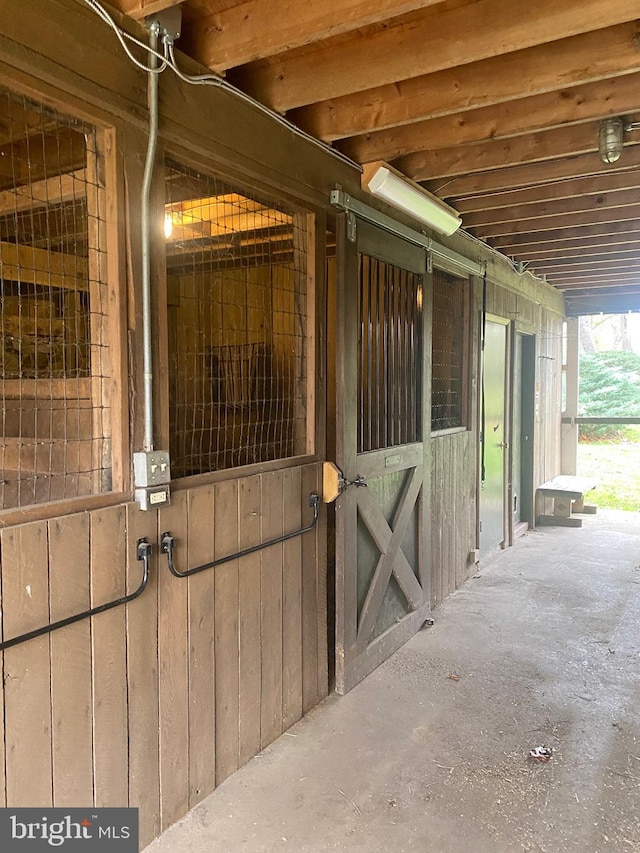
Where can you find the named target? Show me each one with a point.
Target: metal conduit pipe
(145, 228)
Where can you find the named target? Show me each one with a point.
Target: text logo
(69, 830)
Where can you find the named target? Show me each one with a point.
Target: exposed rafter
(551, 67)
(427, 44)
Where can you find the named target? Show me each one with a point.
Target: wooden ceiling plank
(562, 207)
(593, 185)
(593, 267)
(564, 278)
(260, 28)
(594, 217)
(569, 249)
(431, 43)
(585, 290)
(584, 233)
(585, 58)
(528, 115)
(139, 9)
(487, 156)
(623, 254)
(530, 175)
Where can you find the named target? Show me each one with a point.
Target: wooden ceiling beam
(139, 9)
(584, 233)
(593, 185)
(563, 207)
(581, 59)
(569, 249)
(259, 28)
(425, 44)
(594, 278)
(596, 267)
(624, 256)
(531, 175)
(528, 115)
(486, 156)
(548, 223)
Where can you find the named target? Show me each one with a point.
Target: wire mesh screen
(450, 361)
(237, 308)
(389, 355)
(53, 360)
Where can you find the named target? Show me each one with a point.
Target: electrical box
(153, 498)
(151, 468)
(152, 476)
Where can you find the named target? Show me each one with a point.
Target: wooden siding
(156, 703)
(454, 478)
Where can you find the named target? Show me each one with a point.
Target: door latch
(334, 482)
(359, 483)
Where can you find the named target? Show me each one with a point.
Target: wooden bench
(568, 497)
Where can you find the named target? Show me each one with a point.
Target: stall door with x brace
(383, 396)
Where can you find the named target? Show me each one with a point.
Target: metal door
(383, 388)
(492, 493)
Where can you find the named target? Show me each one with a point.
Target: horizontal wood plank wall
(154, 704)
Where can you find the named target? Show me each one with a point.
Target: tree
(609, 387)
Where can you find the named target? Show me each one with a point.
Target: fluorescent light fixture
(394, 188)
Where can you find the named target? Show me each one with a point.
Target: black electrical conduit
(167, 544)
(143, 554)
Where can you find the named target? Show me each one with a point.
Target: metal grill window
(389, 355)
(238, 316)
(450, 360)
(53, 356)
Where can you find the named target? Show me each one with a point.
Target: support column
(570, 368)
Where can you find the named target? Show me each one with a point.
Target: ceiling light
(389, 185)
(610, 139)
(168, 225)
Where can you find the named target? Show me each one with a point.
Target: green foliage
(616, 467)
(609, 386)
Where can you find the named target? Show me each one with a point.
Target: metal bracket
(352, 227)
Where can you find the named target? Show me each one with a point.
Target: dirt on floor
(431, 753)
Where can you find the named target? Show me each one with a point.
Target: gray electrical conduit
(145, 231)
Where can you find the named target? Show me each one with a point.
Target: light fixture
(388, 184)
(610, 139)
(168, 225)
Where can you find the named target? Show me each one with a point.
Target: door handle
(503, 445)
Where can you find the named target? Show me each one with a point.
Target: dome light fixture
(610, 139)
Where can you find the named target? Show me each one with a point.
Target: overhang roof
(493, 105)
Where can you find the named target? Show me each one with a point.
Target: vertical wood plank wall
(156, 703)
(454, 457)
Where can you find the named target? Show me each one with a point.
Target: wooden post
(569, 452)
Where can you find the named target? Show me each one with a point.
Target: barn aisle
(431, 752)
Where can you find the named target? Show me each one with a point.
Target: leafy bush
(609, 387)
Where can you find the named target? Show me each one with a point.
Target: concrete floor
(545, 643)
